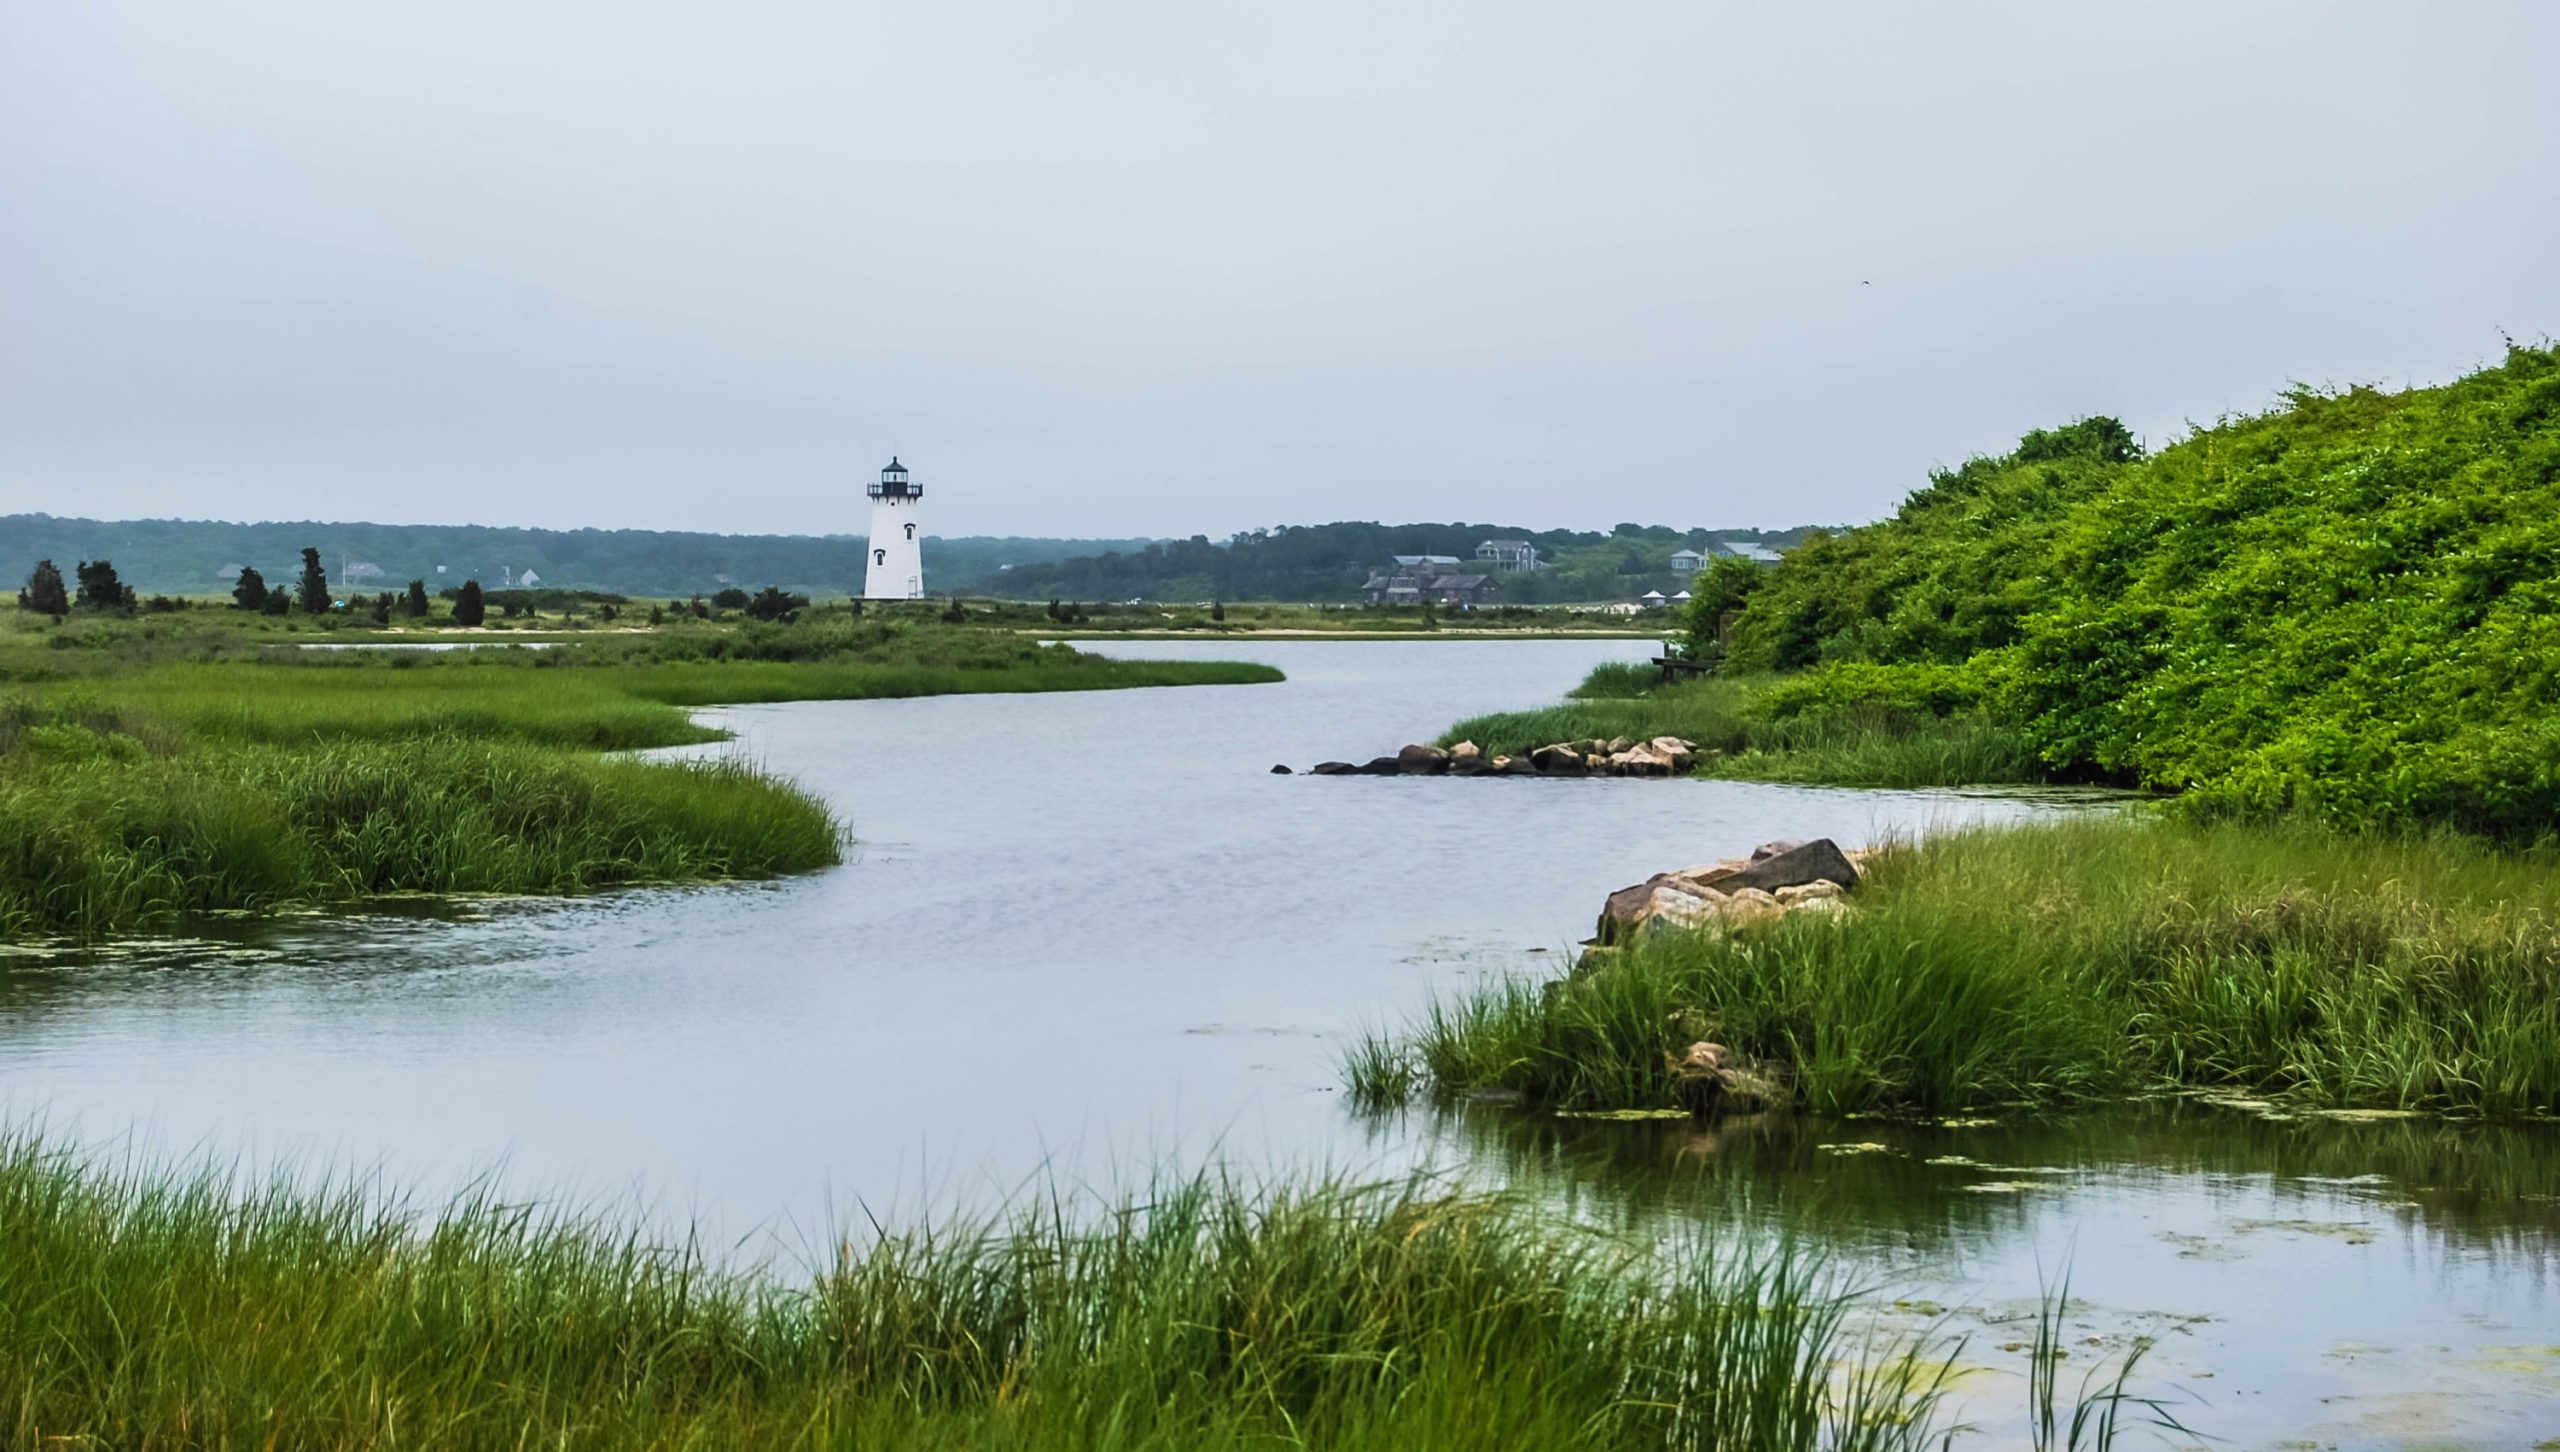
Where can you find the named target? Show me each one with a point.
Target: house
(1508, 554)
(1652, 600)
(1429, 580)
(1687, 562)
(1756, 554)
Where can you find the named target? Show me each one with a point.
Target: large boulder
(1559, 759)
(1641, 760)
(1819, 860)
(1675, 751)
(1465, 751)
(1631, 908)
(1282, 770)
(1332, 768)
(1382, 766)
(1468, 766)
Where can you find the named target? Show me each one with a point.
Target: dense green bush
(2348, 606)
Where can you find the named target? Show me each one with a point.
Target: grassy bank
(145, 1309)
(2056, 962)
(1766, 729)
(162, 766)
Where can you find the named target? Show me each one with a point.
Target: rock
(1809, 891)
(1422, 761)
(1640, 761)
(1465, 751)
(1468, 766)
(1282, 771)
(1773, 849)
(1711, 1079)
(1560, 759)
(1677, 905)
(1595, 762)
(1819, 860)
(1508, 765)
(1612, 747)
(1711, 874)
(1629, 908)
(1382, 766)
(1820, 907)
(1675, 751)
(1332, 768)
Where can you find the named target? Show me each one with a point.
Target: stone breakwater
(1622, 756)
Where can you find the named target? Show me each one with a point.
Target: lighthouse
(896, 571)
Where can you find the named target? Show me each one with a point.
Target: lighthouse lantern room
(896, 571)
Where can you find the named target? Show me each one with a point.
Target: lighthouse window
(879, 557)
(911, 531)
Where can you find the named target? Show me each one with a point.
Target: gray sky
(1203, 266)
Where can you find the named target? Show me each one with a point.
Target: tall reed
(2059, 961)
(144, 1308)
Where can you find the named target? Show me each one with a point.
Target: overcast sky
(1198, 266)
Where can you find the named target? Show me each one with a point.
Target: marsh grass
(149, 772)
(1740, 736)
(145, 1308)
(2060, 961)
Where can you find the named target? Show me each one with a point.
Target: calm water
(1085, 934)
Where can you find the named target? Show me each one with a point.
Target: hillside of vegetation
(1328, 563)
(2347, 607)
(200, 557)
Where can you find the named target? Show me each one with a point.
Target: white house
(1687, 562)
(1508, 554)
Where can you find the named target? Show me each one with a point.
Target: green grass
(144, 1308)
(2059, 962)
(173, 765)
(1749, 729)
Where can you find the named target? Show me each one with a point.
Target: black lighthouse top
(893, 484)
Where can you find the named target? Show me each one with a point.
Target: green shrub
(2348, 607)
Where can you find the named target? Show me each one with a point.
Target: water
(1084, 934)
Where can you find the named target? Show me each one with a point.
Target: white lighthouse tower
(896, 571)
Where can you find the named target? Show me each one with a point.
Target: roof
(1505, 544)
(894, 464)
(1693, 554)
(1427, 559)
(1761, 553)
(1650, 595)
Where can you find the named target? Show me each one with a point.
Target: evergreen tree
(251, 592)
(468, 607)
(1218, 611)
(99, 587)
(773, 604)
(312, 594)
(44, 593)
(415, 606)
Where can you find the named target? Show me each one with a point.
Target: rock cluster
(1777, 879)
(1661, 756)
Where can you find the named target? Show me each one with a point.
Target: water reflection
(1088, 933)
